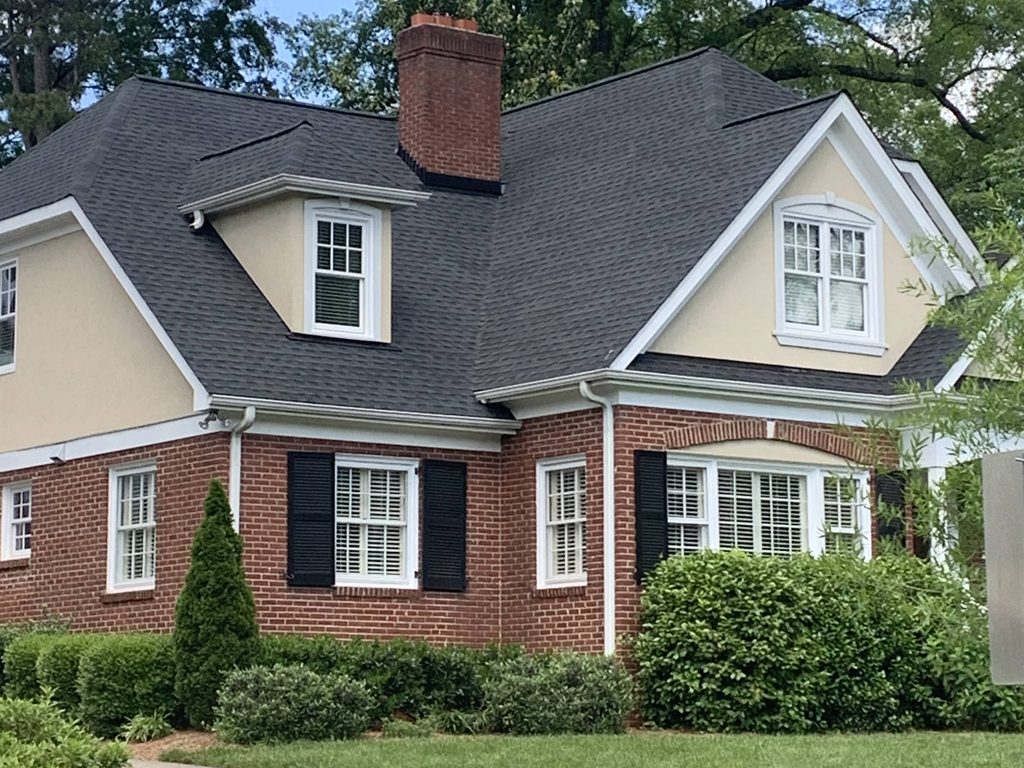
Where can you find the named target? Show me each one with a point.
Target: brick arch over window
(819, 438)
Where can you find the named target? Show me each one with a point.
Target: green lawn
(649, 750)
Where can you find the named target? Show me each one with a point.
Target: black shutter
(889, 491)
(444, 526)
(651, 500)
(311, 519)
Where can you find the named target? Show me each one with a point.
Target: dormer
(310, 225)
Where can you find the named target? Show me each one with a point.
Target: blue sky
(289, 10)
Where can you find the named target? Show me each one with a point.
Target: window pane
(841, 506)
(802, 300)
(566, 517)
(7, 341)
(736, 510)
(8, 290)
(323, 257)
(370, 521)
(847, 305)
(781, 511)
(323, 232)
(355, 236)
(355, 262)
(338, 301)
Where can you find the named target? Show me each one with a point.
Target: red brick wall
(66, 575)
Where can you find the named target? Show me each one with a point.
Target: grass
(636, 750)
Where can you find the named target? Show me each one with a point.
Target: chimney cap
(442, 20)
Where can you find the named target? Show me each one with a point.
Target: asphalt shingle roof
(612, 193)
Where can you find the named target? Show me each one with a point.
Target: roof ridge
(259, 97)
(612, 79)
(257, 140)
(105, 136)
(785, 108)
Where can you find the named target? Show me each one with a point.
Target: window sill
(353, 590)
(6, 369)
(338, 333)
(128, 596)
(560, 590)
(15, 563)
(831, 343)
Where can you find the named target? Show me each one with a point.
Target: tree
(215, 618)
(52, 52)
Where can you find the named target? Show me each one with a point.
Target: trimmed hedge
(288, 703)
(57, 667)
(20, 658)
(121, 676)
(38, 735)
(558, 693)
(732, 642)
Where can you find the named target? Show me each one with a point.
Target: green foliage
(57, 668)
(320, 653)
(289, 703)
(215, 619)
(20, 657)
(397, 728)
(11, 632)
(39, 735)
(120, 676)
(731, 642)
(558, 693)
(146, 728)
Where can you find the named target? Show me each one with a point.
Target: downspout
(235, 465)
(608, 513)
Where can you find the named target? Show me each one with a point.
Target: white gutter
(370, 415)
(304, 185)
(607, 513)
(235, 465)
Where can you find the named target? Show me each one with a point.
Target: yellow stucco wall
(86, 361)
(732, 316)
(268, 240)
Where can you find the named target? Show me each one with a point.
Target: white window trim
(815, 488)
(543, 467)
(9, 367)
(824, 210)
(371, 219)
(138, 585)
(410, 570)
(7, 551)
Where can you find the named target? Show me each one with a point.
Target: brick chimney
(449, 112)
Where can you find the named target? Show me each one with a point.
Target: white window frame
(7, 550)
(113, 515)
(814, 512)
(544, 467)
(409, 578)
(371, 220)
(9, 367)
(825, 211)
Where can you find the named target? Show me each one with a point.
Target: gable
(86, 360)
(732, 316)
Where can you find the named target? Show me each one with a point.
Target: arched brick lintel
(820, 438)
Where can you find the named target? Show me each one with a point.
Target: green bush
(145, 728)
(20, 658)
(321, 653)
(215, 618)
(288, 703)
(38, 735)
(57, 668)
(397, 728)
(731, 642)
(120, 676)
(558, 693)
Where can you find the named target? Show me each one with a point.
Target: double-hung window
(8, 310)
(765, 509)
(343, 280)
(561, 522)
(16, 513)
(132, 542)
(829, 274)
(375, 521)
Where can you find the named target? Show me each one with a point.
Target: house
(467, 373)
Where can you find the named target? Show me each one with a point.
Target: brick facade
(66, 575)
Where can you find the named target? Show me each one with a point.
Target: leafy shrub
(215, 618)
(468, 723)
(20, 658)
(57, 668)
(146, 728)
(38, 735)
(397, 728)
(120, 676)
(321, 653)
(288, 703)
(731, 642)
(558, 693)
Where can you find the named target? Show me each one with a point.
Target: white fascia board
(107, 442)
(844, 111)
(305, 185)
(66, 216)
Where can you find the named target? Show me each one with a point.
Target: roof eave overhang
(286, 183)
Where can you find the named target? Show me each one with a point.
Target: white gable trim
(66, 216)
(857, 145)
